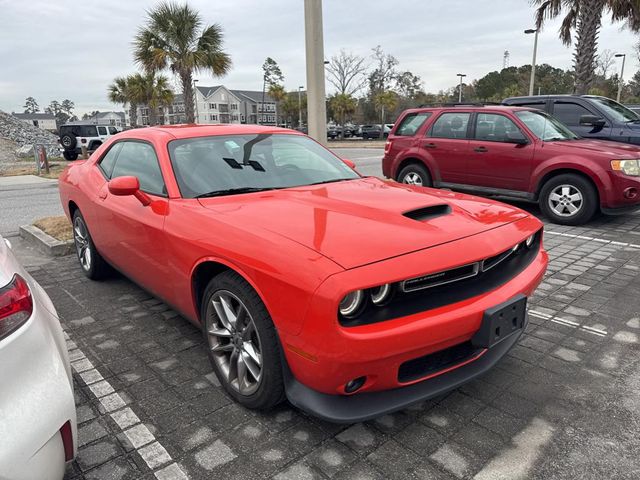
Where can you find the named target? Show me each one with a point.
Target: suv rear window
(412, 123)
(450, 125)
(79, 130)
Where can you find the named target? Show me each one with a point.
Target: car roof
(470, 108)
(173, 132)
(545, 97)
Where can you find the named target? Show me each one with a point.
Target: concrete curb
(45, 243)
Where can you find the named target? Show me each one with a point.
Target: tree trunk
(187, 93)
(133, 114)
(589, 22)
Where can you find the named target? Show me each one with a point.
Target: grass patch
(56, 166)
(58, 227)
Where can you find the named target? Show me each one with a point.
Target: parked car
(588, 116)
(76, 135)
(370, 132)
(334, 131)
(514, 152)
(37, 409)
(350, 295)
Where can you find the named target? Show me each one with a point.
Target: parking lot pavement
(562, 404)
(367, 160)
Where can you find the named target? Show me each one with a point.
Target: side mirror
(349, 163)
(516, 138)
(126, 186)
(592, 120)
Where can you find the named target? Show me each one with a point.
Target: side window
(139, 159)
(569, 113)
(492, 127)
(450, 125)
(412, 123)
(109, 159)
(113, 130)
(102, 130)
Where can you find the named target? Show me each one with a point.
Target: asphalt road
(22, 204)
(368, 160)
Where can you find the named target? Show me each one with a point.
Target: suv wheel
(415, 174)
(68, 141)
(242, 342)
(70, 155)
(569, 199)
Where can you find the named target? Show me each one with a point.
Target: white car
(38, 432)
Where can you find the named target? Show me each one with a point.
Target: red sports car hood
(606, 148)
(367, 220)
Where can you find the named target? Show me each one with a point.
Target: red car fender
(567, 163)
(414, 154)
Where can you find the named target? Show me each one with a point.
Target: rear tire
(415, 174)
(68, 155)
(91, 262)
(569, 199)
(242, 342)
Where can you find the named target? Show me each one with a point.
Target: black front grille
(434, 362)
(440, 278)
(427, 295)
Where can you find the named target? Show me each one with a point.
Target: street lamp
(461, 75)
(533, 62)
(300, 106)
(620, 80)
(195, 99)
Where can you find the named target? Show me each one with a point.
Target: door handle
(429, 145)
(480, 149)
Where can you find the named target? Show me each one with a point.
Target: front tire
(569, 199)
(242, 342)
(415, 174)
(91, 262)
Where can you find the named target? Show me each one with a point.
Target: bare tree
(347, 72)
(384, 72)
(604, 62)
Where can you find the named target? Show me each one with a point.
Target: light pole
(195, 99)
(532, 80)
(620, 80)
(300, 106)
(314, 43)
(461, 75)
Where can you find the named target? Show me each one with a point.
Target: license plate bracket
(501, 321)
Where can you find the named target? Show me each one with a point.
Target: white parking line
(592, 239)
(141, 438)
(568, 323)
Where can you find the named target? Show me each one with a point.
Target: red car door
(132, 233)
(501, 154)
(446, 146)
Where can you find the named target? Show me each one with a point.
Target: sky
(57, 49)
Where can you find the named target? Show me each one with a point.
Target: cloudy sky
(57, 49)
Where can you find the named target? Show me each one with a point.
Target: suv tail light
(16, 305)
(83, 140)
(387, 146)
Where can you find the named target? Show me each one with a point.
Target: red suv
(514, 152)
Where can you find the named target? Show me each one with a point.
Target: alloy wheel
(565, 200)
(234, 342)
(412, 178)
(81, 240)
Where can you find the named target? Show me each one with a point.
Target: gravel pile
(25, 135)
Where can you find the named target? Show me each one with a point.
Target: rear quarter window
(411, 123)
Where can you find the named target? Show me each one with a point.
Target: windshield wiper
(233, 191)
(328, 181)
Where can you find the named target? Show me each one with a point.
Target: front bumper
(365, 406)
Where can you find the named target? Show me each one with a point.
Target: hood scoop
(428, 213)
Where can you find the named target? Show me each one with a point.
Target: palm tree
(585, 17)
(175, 38)
(127, 91)
(278, 93)
(386, 102)
(343, 104)
(157, 93)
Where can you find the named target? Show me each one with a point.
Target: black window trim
(136, 140)
(435, 120)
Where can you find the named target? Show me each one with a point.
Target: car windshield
(614, 110)
(232, 164)
(544, 126)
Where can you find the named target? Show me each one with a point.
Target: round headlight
(351, 303)
(379, 295)
(529, 241)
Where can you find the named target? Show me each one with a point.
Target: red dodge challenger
(350, 296)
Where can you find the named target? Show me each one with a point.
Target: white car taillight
(16, 305)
